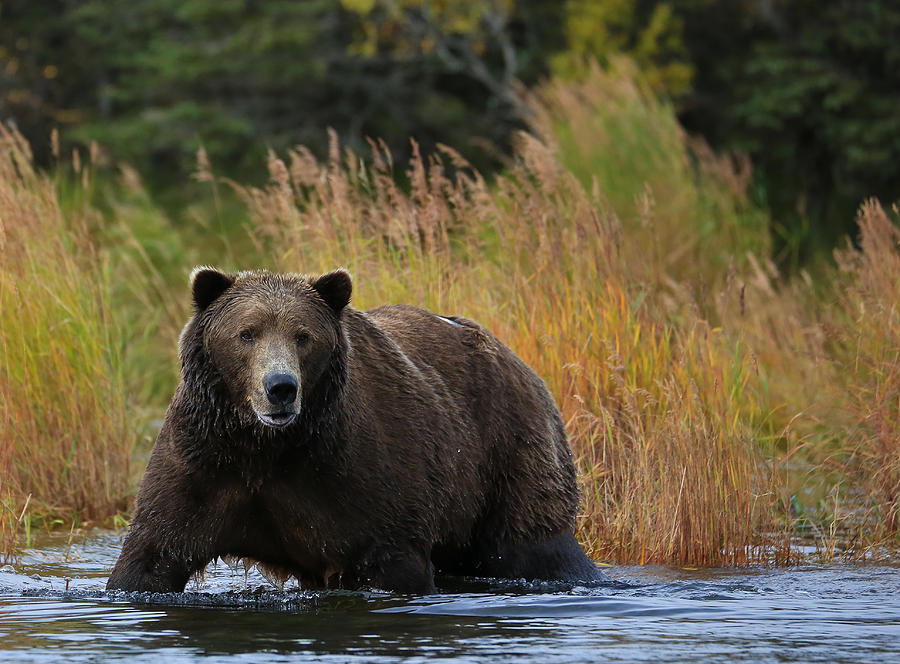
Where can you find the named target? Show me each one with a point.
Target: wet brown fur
(422, 444)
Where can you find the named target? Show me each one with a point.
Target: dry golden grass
(866, 345)
(65, 436)
(683, 207)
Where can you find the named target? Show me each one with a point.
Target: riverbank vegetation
(720, 412)
(65, 435)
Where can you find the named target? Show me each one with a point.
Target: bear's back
(468, 359)
(510, 408)
(456, 351)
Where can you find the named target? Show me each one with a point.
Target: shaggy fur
(420, 444)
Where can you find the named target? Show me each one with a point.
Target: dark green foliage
(811, 91)
(153, 80)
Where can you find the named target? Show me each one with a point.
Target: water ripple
(810, 614)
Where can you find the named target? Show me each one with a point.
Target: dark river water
(836, 613)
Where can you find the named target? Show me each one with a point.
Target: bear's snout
(281, 389)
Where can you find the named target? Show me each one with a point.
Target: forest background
(808, 90)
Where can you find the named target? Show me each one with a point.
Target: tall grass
(684, 208)
(65, 435)
(716, 408)
(866, 343)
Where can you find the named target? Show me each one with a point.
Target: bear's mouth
(276, 419)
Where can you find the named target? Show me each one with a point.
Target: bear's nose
(281, 388)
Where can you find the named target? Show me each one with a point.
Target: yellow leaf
(359, 6)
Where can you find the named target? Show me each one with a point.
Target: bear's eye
(302, 338)
(247, 335)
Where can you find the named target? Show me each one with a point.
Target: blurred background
(808, 89)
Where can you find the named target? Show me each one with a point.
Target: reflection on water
(832, 614)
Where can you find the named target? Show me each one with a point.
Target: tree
(810, 90)
(651, 35)
(153, 80)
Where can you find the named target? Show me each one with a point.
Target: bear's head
(267, 339)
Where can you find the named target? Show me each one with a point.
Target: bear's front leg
(144, 565)
(176, 526)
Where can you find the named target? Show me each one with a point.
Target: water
(809, 614)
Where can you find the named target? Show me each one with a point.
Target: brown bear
(350, 449)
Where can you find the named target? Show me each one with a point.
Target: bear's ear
(207, 284)
(335, 288)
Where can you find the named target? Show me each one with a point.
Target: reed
(684, 208)
(65, 434)
(865, 342)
